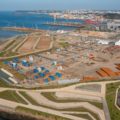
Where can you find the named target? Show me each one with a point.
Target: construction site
(60, 73)
(65, 56)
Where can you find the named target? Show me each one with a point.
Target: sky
(6, 5)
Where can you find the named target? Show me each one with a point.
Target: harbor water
(29, 20)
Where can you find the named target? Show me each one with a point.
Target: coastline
(4, 38)
(21, 29)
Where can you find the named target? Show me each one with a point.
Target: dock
(21, 29)
(76, 25)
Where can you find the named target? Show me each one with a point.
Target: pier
(21, 29)
(76, 25)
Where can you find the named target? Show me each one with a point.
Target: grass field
(30, 99)
(110, 96)
(12, 96)
(2, 54)
(6, 47)
(64, 44)
(51, 96)
(38, 113)
(3, 84)
(80, 109)
(85, 116)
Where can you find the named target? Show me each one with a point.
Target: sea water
(36, 21)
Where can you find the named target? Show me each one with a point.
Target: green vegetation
(6, 53)
(9, 53)
(110, 96)
(2, 53)
(51, 96)
(85, 116)
(30, 99)
(39, 113)
(3, 84)
(64, 44)
(99, 105)
(62, 40)
(11, 70)
(80, 109)
(6, 47)
(118, 90)
(12, 96)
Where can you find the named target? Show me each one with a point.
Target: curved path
(44, 101)
(116, 98)
(104, 115)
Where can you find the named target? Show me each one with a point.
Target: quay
(77, 25)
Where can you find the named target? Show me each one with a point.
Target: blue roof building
(52, 78)
(36, 77)
(42, 74)
(15, 60)
(35, 71)
(6, 62)
(42, 68)
(47, 71)
(58, 74)
(46, 81)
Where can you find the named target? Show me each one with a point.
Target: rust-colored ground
(32, 45)
(28, 45)
(44, 42)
